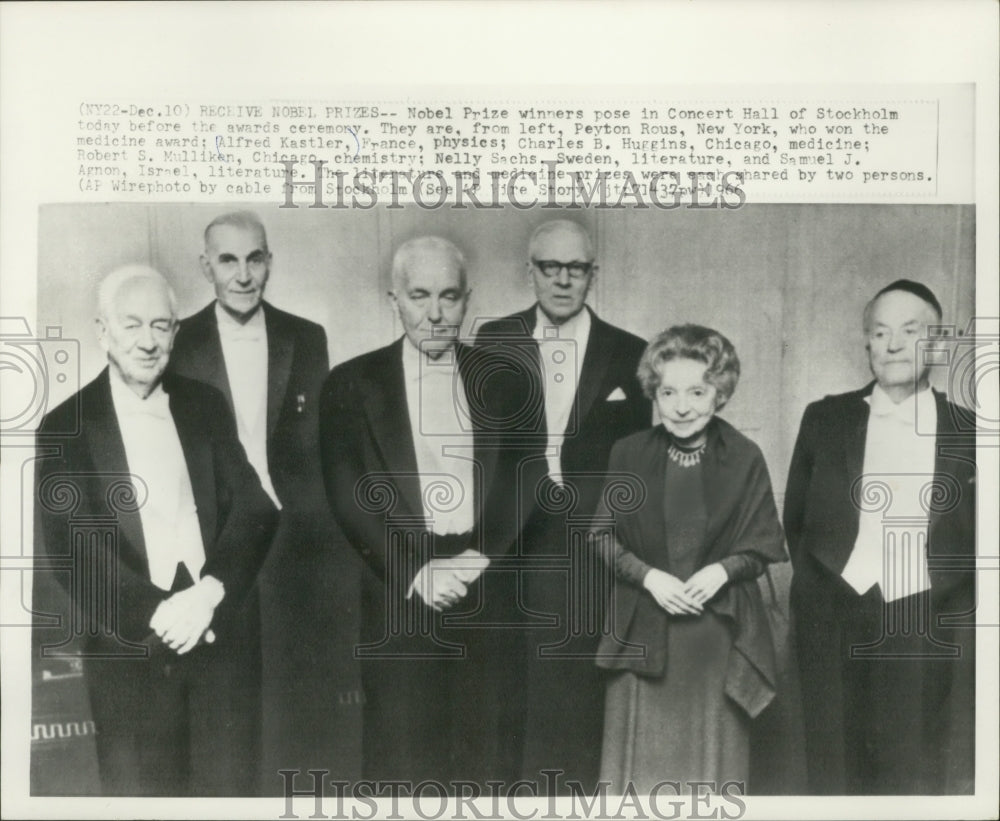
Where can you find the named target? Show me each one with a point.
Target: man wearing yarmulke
(880, 520)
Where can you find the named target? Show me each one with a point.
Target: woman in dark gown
(689, 641)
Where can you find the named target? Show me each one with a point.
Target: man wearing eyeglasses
(589, 398)
(270, 366)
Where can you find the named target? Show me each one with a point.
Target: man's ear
(591, 279)
(206, 268)
(102, 333)
(530, 271)
(465, 303)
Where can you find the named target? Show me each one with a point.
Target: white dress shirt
(244, 348)
(562, 349)
(153, 451)
(891, 548)
(435, 399)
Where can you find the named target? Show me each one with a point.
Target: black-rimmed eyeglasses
(550, 268)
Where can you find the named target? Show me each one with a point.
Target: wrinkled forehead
(563, 245)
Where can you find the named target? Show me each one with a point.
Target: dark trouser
(311, 688)
(172, 725)
(407, 723)
(420, 723)
(564, 705)
(888, 691)
(442, 707)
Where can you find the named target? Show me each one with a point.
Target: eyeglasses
(550, 268)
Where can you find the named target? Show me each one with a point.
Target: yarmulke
(918, 289)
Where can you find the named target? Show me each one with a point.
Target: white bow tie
(157, 405)
(241, 334)
(905, 411)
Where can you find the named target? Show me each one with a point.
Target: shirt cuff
(212, 589)
(471, 565)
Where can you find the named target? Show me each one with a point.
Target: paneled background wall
(786, 283)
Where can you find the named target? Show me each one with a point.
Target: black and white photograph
(340, 565)
(569, 452)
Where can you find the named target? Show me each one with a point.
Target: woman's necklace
(686, 458)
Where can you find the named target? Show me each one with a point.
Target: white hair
(246, 220)
(558, 226)
(108, 290)
(414, 247)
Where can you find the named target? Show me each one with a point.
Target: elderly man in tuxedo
(270, 365)
(417, 476)
(581, 395)
(169, 664)
(880, 520)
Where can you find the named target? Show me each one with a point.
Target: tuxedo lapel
(525, 321)
(954, 456)
(485, 455)
(594, 369)
(197, 448)
(593, 372)
(206, 356)
(388, 417)
(107, 453)
(280, 347)
(946, 425)
(855, 432)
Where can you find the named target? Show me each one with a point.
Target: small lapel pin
(300, 402)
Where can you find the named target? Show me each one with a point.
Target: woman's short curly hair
(722, 365)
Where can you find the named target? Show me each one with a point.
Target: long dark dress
(679, 727)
